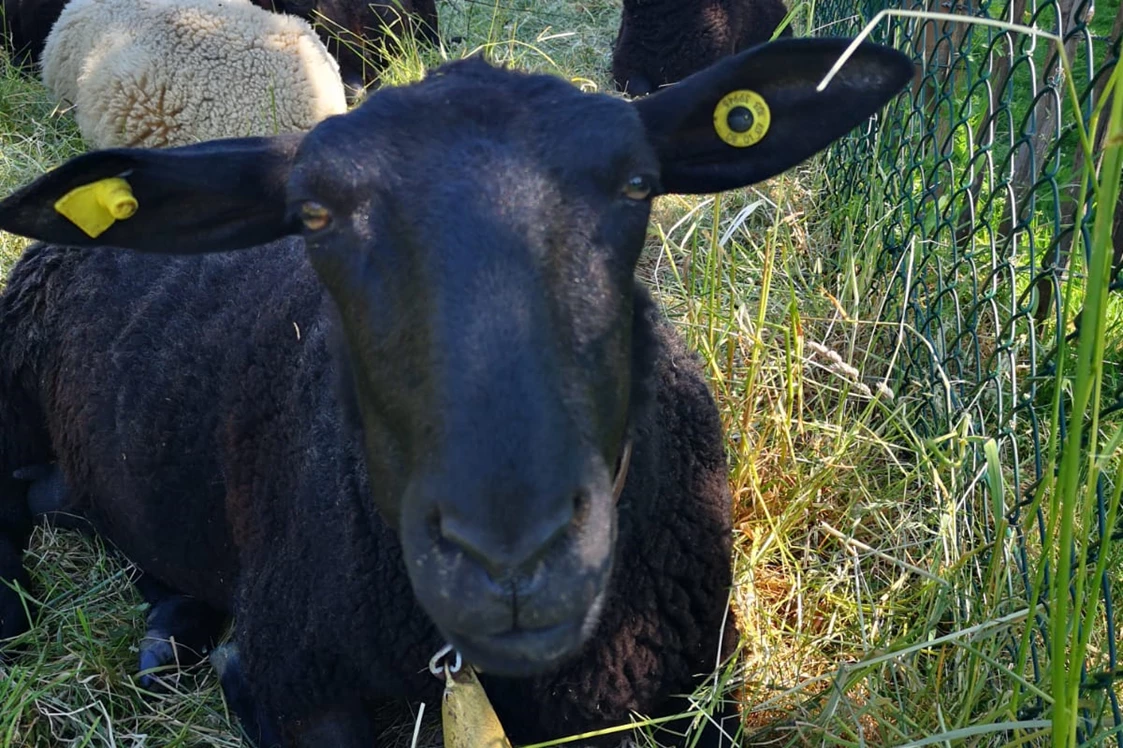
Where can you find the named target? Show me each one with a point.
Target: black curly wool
(663, 41)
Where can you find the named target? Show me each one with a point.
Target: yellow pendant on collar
(96, 206)
(742, 118)
(467, 717)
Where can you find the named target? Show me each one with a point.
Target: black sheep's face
(478, 232)
(485, 291)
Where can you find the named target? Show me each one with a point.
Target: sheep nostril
(474, 545)
(517, 551)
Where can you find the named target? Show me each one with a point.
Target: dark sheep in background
(24, 26)
(663, 41)
(359, 32)
(396, 417)
(354, 31)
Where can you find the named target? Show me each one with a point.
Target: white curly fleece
(158, 73)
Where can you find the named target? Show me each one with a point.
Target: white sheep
(159, 73)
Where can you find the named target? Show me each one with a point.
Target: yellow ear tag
(96, 206)
(742, 118)
(467, 718)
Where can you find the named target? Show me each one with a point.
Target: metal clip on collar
(436, 666)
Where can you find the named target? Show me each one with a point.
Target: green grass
(969, 335)
(878, 580)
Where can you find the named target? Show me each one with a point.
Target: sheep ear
(758, 113)
(207, 197)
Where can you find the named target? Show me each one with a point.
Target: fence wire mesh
(977, 165)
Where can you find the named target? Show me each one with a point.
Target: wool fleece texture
(158, 73)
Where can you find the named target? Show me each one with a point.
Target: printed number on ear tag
(742, 118)
(96, 206)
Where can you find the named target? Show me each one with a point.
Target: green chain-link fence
(977, 167)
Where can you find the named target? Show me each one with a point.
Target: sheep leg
(180, 630)
(227, 663)
(49, 498)
(15, 529)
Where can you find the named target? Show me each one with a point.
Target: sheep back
(162, 73)
(663, 41)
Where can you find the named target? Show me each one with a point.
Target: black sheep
(398, 416)
(663, 41)
(359, 33)
(24, 25)
(354, 31)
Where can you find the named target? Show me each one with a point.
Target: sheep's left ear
(758, 113)
(213, 196)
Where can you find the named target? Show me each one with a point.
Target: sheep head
(478, 232)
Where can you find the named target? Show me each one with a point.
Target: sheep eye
(637, 188)
(315, 216)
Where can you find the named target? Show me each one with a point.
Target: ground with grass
(858, 552)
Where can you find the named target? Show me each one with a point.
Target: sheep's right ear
(760, 112)
(208, 197)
